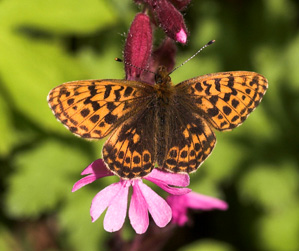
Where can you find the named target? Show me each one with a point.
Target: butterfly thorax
(163, 84)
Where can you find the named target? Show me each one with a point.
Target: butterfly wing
(130, 151)
(224, 99)
(93, 108)
(190, 141)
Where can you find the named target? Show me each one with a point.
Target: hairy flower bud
(171, 20)
(163, 55)
(180, 4)
(138, 46)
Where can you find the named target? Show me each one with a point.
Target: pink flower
(144, 199)
(180, 205)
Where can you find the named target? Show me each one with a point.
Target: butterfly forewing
(92, 109)
(225, 99)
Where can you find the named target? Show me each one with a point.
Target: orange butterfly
(164, 124)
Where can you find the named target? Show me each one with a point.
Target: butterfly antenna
(209, 43)
(129, 64)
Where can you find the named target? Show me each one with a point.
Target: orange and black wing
(190, 140)
(130, 151)
(94, 108)
(224, 99)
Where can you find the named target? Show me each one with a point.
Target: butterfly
(163, 125)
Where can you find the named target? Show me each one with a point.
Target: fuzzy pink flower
(143, 200)
(180, 205)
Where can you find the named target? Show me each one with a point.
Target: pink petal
(203, 202)
(138, 210)
(160, 178)
(180, 218)
(116, 213)
(181, 36)
(103, 199)
(174, 179)
(158, 208)
(179, 209)
(173, 190)
(97, 167)
(83, 182)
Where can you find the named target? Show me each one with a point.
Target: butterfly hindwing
(225, 99)
(130, 150)
(93, 108)
(190, 142)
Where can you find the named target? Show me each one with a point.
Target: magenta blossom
(144, 199)
(180, 205)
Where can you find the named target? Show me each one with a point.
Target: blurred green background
(254, 168)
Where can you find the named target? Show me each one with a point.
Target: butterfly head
(162, 76)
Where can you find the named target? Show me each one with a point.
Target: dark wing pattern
(190, 141)
(93, 108)
(130, 151)
(224, 99)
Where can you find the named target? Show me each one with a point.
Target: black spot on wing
(107, 91)
(85, 112)
(128, 91)
(110, 118)
(227, 110)
(213, 111)
(94, 118)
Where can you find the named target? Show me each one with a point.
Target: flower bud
(164, 55)
(171, 20)
(138, 46)
(180, 4)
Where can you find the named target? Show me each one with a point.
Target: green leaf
(207, 244)
(225, 158)
(75, 220)
(7, 241)
(292, 63)
(102, 66)
(273, 187)
(207, 65)
(60, 16)
(42, 178)
(8, 136)
(279, 230)
(30, 70)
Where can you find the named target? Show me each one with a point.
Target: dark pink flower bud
(180, 4)
(163, 55)
(138, 46)
(171, 20)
